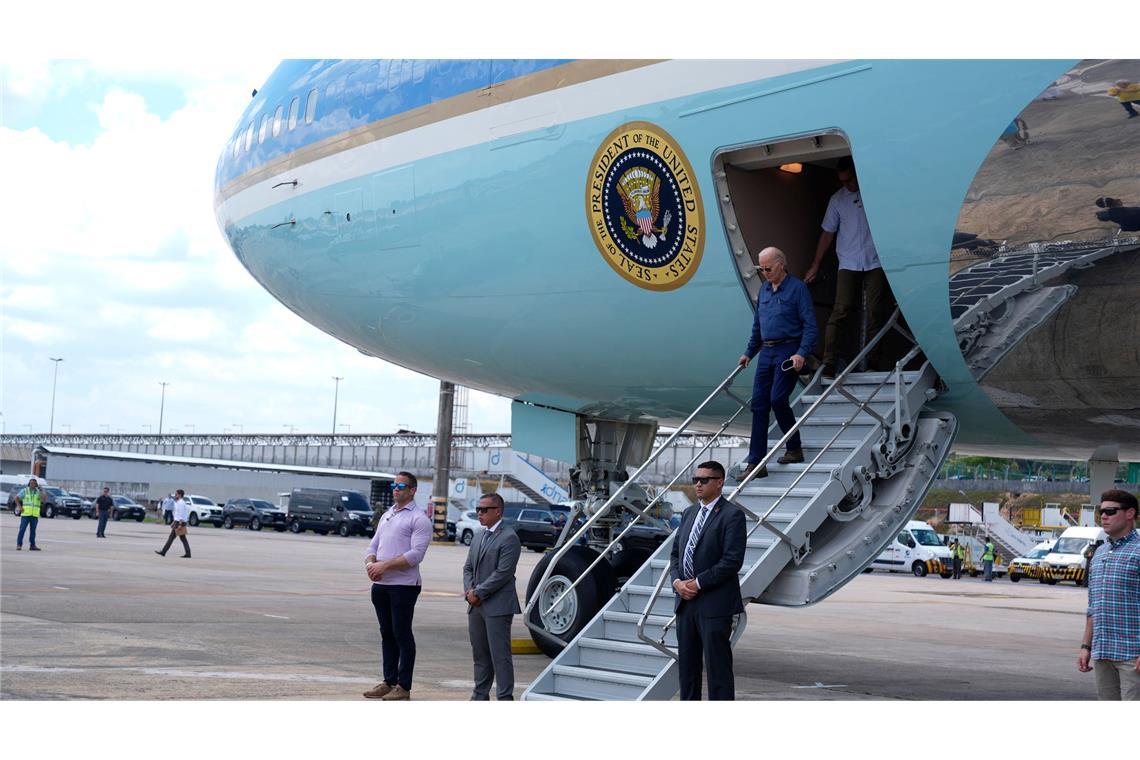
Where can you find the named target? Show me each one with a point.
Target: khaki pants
(1117, 680)
(842, 335)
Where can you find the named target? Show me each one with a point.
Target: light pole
(54, 377)
(162, 406)
(291, 428)
(336, 397)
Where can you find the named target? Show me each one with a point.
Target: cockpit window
(277, 116)
(264, 128)
(311, 107)
(249, 137)
(236, 146)
(294, 109)
(419, 71)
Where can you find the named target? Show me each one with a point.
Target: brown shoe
(398, 693)
(378, 692)
(792, 456)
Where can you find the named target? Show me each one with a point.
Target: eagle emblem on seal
(640, 191)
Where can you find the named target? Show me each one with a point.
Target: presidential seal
(644, 207)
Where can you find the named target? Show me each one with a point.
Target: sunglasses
(702, 481)
(400, 486)
(765, 269)
(484, 510)
(1109, 511)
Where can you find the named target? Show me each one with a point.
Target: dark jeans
(957, 565)
(102, 522)
(25, 522)
(170, 540)
(849, 285)
(770, 391)
(704, 641)
(1128, 107)
(395, 606)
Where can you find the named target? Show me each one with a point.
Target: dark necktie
(694, 536)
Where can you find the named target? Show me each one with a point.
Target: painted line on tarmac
(210, 674)
(62, 588)
(818, 685)
(279, 617)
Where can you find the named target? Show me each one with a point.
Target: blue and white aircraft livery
(581, 236)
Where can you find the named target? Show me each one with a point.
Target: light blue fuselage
(477, 264)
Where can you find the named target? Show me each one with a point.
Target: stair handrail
(835, 386)
(571, 541)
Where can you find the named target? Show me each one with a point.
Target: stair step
(624, 656)
(874, 378)
(622, 626)
(592, 683)
(538, 696)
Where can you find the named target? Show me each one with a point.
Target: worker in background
(957, 554)
(1126, 93)
(988, 560)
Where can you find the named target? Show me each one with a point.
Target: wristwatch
(1086, 646)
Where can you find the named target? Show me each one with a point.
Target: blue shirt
(1114, 599)
(786, 312)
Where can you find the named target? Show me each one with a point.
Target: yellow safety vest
(30, 501)
(989, 553)
(958, 551)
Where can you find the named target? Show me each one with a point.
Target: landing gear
(577, 608)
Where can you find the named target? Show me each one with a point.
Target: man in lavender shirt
(392, 564)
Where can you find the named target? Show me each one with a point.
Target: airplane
(580, 236)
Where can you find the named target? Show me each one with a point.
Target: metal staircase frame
(893, 432)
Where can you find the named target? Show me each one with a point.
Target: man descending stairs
(870, 453)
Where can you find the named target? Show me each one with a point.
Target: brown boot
(378, 692)
(792, 456)
(398, 693)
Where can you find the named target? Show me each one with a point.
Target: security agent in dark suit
(707, 555)
(489, 587)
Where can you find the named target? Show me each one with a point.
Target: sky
(112, 260)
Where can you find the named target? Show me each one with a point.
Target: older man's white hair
(775, 253)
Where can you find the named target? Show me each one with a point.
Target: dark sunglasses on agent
(1109, 511)
(400, 486)
(702, 481)
(484, 510)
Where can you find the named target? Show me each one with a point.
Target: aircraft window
(249, 137)
(311, 107)
(277, 116)
(420, 70)
(371, 79)
(294, 108)
(264, 128)
(406, 74)
(330, 90)
(394, 75)
(237, 145)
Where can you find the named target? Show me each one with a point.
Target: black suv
(323, 510)
(256, 513)
(534, 525)
(62, 503)
(125, 507)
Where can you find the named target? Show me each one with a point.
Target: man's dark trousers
(395, 606)
(102, 522)
(770, 391)
(710, 635)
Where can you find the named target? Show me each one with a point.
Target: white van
(1029, 565)
(11, 485)
(1066, 560)
(916, 549)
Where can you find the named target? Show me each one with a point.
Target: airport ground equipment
(526, 478)
(871, 451)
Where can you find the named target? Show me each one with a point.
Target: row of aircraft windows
(372, 78)
(278, 119)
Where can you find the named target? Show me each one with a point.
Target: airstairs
(528, 479)
(871, 452)
(1009, 541)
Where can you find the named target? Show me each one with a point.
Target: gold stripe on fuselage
(575, 72)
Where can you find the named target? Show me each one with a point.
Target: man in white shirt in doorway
(845, 223)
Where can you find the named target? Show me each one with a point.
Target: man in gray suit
(492, 602)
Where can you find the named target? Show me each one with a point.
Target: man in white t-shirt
(845, 223)
(178, 526)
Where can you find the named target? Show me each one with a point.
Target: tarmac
(276, 616)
